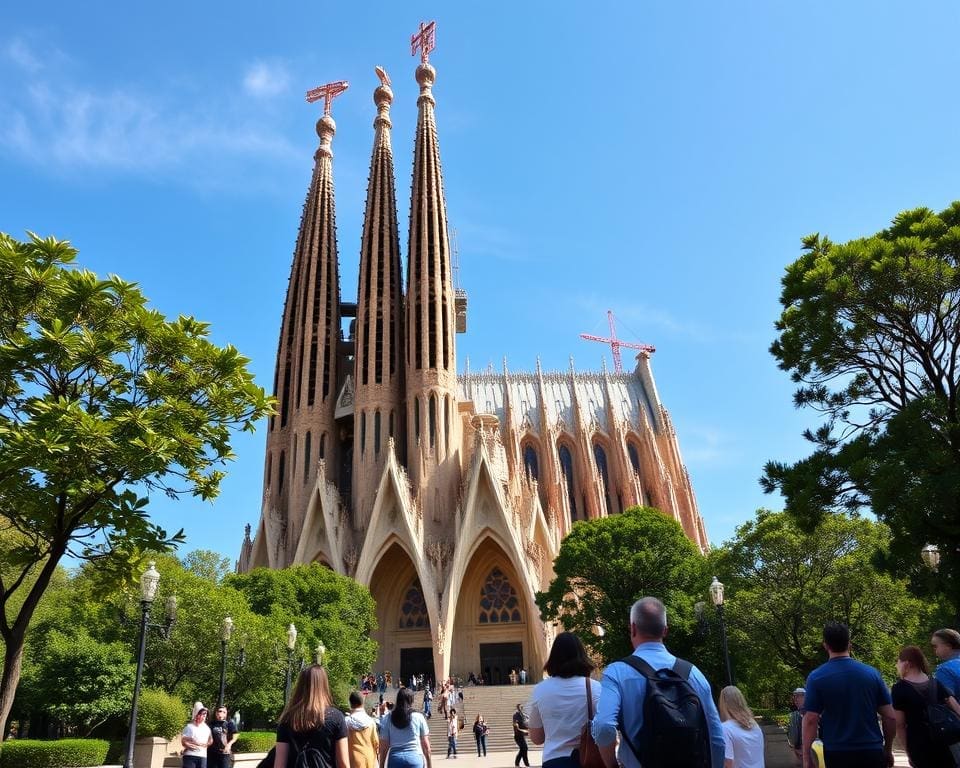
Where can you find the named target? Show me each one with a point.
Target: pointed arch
(600, 458)
(568, 470)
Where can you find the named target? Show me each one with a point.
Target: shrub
(254, 741)
(161, 714)
(29, 753)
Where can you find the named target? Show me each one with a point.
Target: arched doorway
(494, 619)
(403, 634)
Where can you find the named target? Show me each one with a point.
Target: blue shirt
(621, 701)
(847, 694)
(404, 739)
(948, 673)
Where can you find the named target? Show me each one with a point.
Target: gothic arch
(567, 462)
(603, 459)
(531, 455)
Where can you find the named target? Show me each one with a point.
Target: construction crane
(328, 93)
(616, 344)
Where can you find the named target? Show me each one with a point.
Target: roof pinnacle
(326, 127)
(425, 41)
(383, 97)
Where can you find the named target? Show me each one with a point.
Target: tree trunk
(12, 663)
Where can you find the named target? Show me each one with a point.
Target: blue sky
(662, 160)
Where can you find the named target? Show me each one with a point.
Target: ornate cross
(328, 93)
(425, 40)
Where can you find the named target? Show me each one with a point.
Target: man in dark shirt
(520, 731)
(844, 697)
(224, 734)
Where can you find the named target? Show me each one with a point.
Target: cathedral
(446, 494)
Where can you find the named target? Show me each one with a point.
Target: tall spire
(378, 397)
(431, 353)
(306, 376)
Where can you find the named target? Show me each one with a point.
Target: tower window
(376, 432)
(634, 457)
(307, 445)
(433, 420)
(600, 456)
(363, 431)
(566, 466)
(281, 470)
(530, 462)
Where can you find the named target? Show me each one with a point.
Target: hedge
(160, 714)
(64, 753)
(254, 741)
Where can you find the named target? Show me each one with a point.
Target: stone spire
(378, 398)
(433, 422)
(305, 381)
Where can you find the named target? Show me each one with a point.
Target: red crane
(328, 93)
(425, 40)
(616, 343)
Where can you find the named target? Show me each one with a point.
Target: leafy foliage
(27, 753)
(607, 564)
(102, 400)
(870, 330)
(160, 714)
(783, 584)
(255, 741)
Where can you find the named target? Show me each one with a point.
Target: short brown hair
(949, 636)
(568, 657)
(914, 657)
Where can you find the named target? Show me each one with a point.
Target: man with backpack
(662, 705)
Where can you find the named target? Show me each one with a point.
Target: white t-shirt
(199, 734)
(559, 706)
(744, 747)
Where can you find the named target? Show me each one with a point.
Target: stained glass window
(499, 603)
(634, 457)
(530, 462)
(566, 466)
(413, 611)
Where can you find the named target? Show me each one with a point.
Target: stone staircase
(496, 703)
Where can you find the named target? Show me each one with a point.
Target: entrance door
(497, 659)
(416, 661)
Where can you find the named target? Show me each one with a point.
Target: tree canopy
(103, 400)
(607, 564)
(870, 331)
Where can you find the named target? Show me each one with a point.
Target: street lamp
(716, 595)
(226, 629)
(291, 644)
(930, 555)
(319, 651)
(149, 582)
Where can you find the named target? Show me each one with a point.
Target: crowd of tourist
(649, 709)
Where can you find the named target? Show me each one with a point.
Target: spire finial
(425, 41)
(383, 97)
(326, 127)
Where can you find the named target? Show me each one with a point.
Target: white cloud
(266, 79)
(20, 54)
(705, 446)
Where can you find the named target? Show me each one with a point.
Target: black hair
(836, 636)
(403, 711)
(356, 700)
(568, 657)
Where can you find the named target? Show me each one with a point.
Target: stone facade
(448, 495)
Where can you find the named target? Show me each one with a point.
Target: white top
(744, 747)
(559, 706)
(199, 734)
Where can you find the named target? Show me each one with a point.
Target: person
(309, 721)
(444, 712)
(795, 724)
(363, 740)
(624, 689)
(523, 676)
(742, 737)
(521, 729)
(224, 732)
(911, 694)
(480, 730)
(558, 704)
(196, 738)
(844, 697)
(453, 728)
(404, 741)
(427, 703)
(946, 645)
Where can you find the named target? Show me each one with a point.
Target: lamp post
(716, 595)
(149, 582)
(319, 651)
(291, 644)
(226, 629)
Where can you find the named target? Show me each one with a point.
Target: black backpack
(943, 725)
(674, 732)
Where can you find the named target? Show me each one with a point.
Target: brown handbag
(588, 754)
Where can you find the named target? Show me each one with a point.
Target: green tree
(607, 564)
(870, 330)
(784, 583)
(325, 607)
(102, 401)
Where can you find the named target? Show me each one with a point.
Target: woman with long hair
(559, 704)
(742, 737)
(404, 741)
(480, 730)
(310, 722)
(911, 694)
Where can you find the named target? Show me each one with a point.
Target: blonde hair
(309, 702)
(733, 706)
